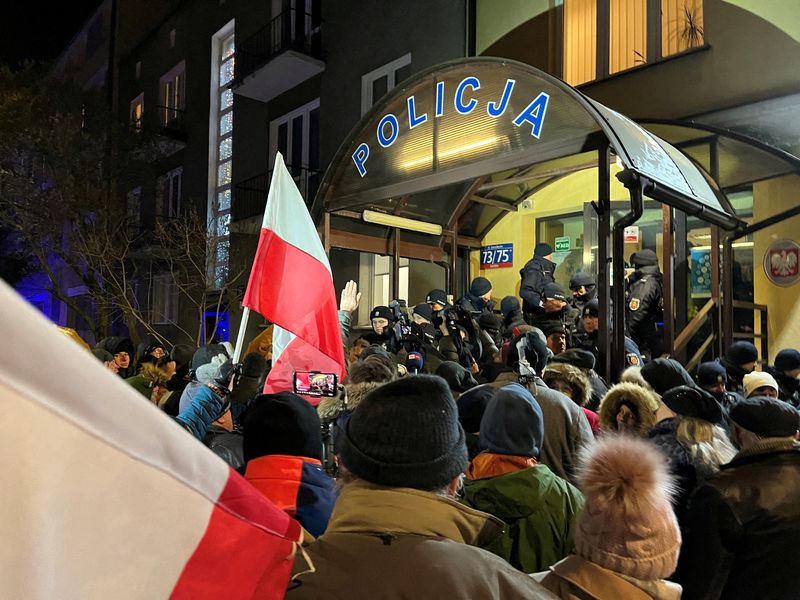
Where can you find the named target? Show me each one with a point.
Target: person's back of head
(664, 374)
(406, 434)
(628, 408)
(457, 377)
(760, 418)
(627, 524)
(787, 361)
(569, 380)
(512, 423)
(281, 423)
(375, 368)
(742, 354)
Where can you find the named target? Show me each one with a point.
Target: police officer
(478, 299)
(555, 307)
(583, 288)
(644, 304)
(536, 273)
(589, 338)
(381, 318)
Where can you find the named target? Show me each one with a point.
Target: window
(377, 83)
(173, 88)
(168, 194)
(137, 112)
(296, 136)
(164, 308)
(638, 32)
(221, 154)
(134, 205)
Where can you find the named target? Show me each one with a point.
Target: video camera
(403, 334)
(457, 320)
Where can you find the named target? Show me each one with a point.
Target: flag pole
(237, 351)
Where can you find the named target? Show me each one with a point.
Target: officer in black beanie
(478, 299)
(644, 304)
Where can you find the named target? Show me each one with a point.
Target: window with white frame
(134, 210)
(296, 136)
(221, 154)
(137, 112)
(168, 194)
(164, 308)
(377, 83)
(172, 89)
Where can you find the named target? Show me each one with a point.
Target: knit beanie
(644, 258)
(711, 373)
(480, 286)
(471, 406)
(627, 524)
(577, 357)
(756, 379)
(741, 352)
(424, 311)
(542, 250)
(787, 360)
(406, 434)
(508, 305)
(281, 423)
(456, 376)
(381, 312)
(512, 423)
(664, 374)
(489, 320)
(581, 278)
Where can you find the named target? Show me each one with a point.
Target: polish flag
(105, 496)
(291, 286)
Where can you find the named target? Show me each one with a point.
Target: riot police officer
(644, 304)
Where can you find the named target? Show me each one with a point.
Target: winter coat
(403, 543)
(228, 445)
(582, 388)
(735, 377)
(475, 305)
(788, 386)
(687, 471)
(566, 430)
(645, 402)
(644, 306)
(296, 485)
(539, 510)
(742, 528)
(536, 273)
(575, 578)
(205, 408)
(514, 320)
(116, 344)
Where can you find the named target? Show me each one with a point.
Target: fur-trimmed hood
(574, 377)
(644, 400)
(330, 408)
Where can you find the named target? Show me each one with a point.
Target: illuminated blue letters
(413, 119)
(360, 156)
(458, 100)
(534, 114)
(440, 99)
(494, 109)
(383, 139)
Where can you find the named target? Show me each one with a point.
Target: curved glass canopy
(431, 147)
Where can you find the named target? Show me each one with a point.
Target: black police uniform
(644, 307)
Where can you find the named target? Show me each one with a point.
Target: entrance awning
(427, 148)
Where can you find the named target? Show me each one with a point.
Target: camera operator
(382, 319)
(460, 340)
(478, 299)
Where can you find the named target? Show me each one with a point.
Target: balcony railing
(171, 122)
(291, 30)
(250, 195)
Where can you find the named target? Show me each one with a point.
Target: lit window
(627, 34)
(681, 25)
(137, 112)
(173, 88)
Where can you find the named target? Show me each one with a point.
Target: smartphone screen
(315, 383)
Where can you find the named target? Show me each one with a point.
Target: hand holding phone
(315, 383)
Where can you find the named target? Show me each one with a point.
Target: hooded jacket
(205, 408)
(579, 382)
(536, 273)
(115, 344)
(645, 402)
(404, 543)
(297, 485)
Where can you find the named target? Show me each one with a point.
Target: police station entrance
(465, 168)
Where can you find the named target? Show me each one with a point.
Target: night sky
(40, 30)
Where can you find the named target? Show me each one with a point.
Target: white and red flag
(291, 286)
(104, 496)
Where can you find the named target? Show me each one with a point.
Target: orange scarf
(489, 464)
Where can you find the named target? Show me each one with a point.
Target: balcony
(280, 56)
(250, 196)
(171, 123)
(158, 133)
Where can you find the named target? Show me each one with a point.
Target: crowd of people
(474, 453)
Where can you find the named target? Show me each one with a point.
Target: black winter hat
(480, 286)
(542, 249)
(471, 406)
(182, 355)
(787, 360)
(551, 327)
(424, 311)
(381, 312)
(553, 291)
(406, 434)
(508, 305)
(102, 355)
(591, 309)
(644, 258)
(281, 423)
(577, 357)
(581, 278)
(664, 374)
(512, 423)
(489, 321)
(456, 376)
(436, 297)
(766, 417)
(691, 401)
(711, 373)
(741, 352)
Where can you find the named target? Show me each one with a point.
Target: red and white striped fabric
(291, 285)
(104, 496)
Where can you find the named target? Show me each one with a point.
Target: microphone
(414, 362)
